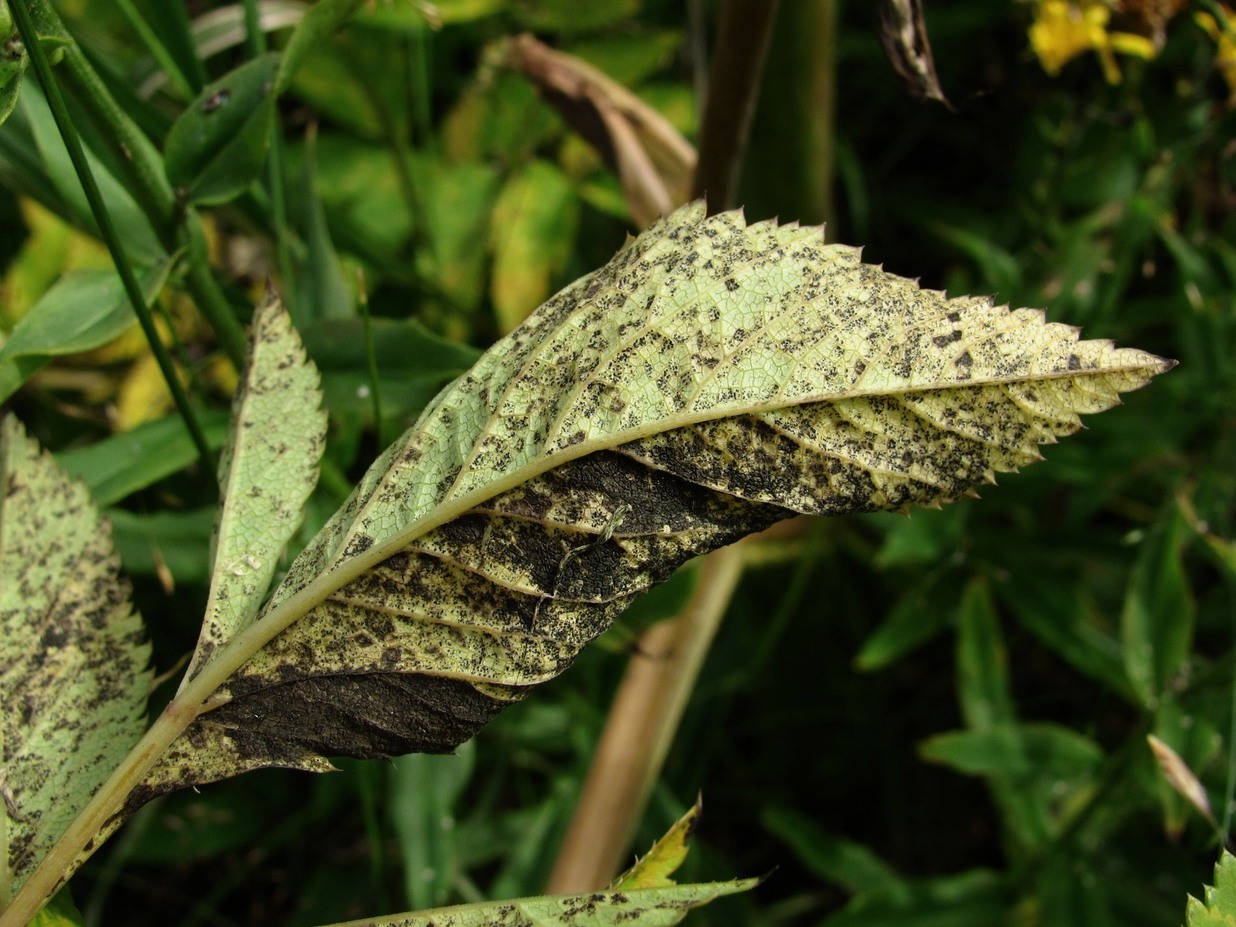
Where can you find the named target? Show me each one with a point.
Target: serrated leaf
(646, 907)
(653, 870)
(73, 681)
(1219, 907)
(218, 145)
(268, 468)
(713, 378)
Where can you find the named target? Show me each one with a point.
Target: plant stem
(733, 88)
(174, 225)
(640, 728)
(77, 155)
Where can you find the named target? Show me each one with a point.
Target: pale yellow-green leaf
(267, 470)
(710, 380)
(663, 860)
(644, 907)
(73, 677)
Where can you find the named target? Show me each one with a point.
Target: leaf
(1219, 906)
(318, 24)
(1180, 777)
(982, 662)
(423, 793)
(665, 858)
(119, 466)
(83, 310)
(13, 62)
(653, 162)
(644, 896)
(829, 856)
(646, 907)
(712, 379)
(1158, 616)
(266, 472)
(74, 680)
(218, 145)
(533, 228)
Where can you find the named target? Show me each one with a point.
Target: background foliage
(934, 719)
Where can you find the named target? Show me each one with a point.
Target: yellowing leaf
(665, 857)
(73, 676)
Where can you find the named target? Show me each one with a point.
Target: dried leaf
(904, 36)
(73, 680)
(653, 162)
(1180, 777)
(713, 378)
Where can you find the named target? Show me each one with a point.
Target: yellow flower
(1224, 35)
(1064, 29)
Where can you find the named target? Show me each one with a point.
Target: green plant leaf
(74, 676)
(653, 870)
(268, 468)
(1218, 909)
(533, 228)
(83, 310)
(1158, 617)
(829, 856)
(712, 379)
(13, 61)
(319, 23)
(119, 466)
(218, 145)
(413, 364)
(423, 792)
(646, 907)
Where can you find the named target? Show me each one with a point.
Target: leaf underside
(73, 677)
(710, 380)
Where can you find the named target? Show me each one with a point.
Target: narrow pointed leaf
(73, 676)
(266, 472)
(711, 379)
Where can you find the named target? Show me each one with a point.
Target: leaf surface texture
(710, 380)
(73, 677)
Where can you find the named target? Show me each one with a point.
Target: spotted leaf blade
(643, 907)
(73, 677)
(711, 379)
(266, 472)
